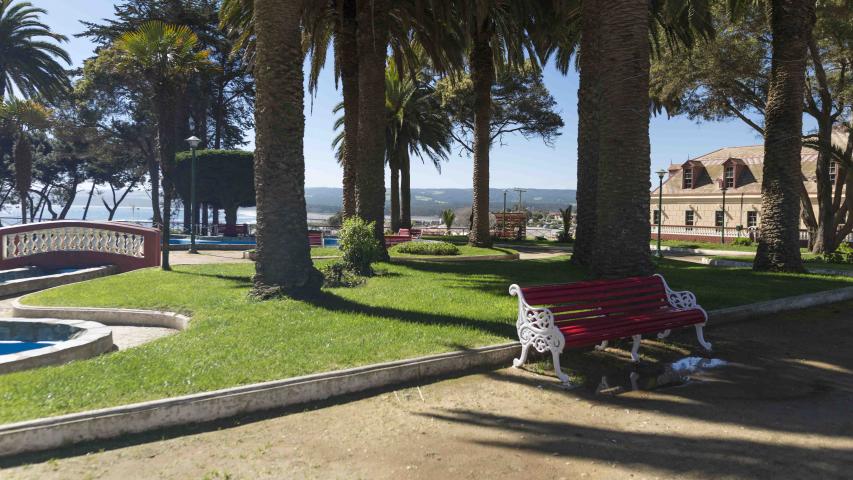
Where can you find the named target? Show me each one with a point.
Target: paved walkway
(780, 409)
(207, 256)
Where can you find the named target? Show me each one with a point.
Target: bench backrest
(315, 239)
(599, 298)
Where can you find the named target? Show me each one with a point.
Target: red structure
(69, 243)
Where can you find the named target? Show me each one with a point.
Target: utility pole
(520, 191)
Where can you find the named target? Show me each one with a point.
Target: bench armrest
(682, 300)
(535, 326)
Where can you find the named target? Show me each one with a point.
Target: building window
(655, 217)
(833, 172)
(688, 178)
(751, 219)
(718, 218)
(729, 175)
(689, 216)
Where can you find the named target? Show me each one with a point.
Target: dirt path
(781, 408)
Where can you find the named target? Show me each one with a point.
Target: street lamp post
(194, 142)
(723, 225)
(661, 174)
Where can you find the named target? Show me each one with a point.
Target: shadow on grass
(329, 301)
(239, 280)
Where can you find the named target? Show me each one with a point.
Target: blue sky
(522, 163)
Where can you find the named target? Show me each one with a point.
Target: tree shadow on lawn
(329, 301)
(239, 281)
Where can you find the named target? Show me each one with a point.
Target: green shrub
(427, 248)
(360, 248)
(565, 237)
(742, 242)
(338, 275)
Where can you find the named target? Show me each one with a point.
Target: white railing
(72, 239)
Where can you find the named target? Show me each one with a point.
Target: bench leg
(664, 334)
(635, 357)
(701, 337)
(518, 362)
(555, 354)
(601, 346)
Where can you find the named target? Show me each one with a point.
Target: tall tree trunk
(622, 236)
(231, 217)
(483, 77)
(346, 50)
(589, 101)
(154, 178)
(89, 201)
(372, 45)
(825, 234)
(779, 244)
(23, 170)
(394, 165)
(283, 263)
(166, 145)
(405, 190)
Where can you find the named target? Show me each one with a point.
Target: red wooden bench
(315, 239)
(551, 317)
(391, 240)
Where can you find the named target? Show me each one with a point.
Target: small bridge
(69, 243)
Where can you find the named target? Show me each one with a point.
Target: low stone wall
(77, 340)
(31, 284)
(107, 316)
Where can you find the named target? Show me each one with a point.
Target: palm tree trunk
(154, 176)
(346, 49)
(405, 191)
(622, 236)
(166, 145)
(779, 244)
(589, 99)
(283, 263)
(372, 44)
(394, 165)
(483, 77)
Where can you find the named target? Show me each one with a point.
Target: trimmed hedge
(426, 248)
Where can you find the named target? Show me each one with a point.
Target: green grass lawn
(409, 310)
(703, 245)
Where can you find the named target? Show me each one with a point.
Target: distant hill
(432, 201)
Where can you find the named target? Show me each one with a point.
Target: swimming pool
(327, 241)
(12, 346)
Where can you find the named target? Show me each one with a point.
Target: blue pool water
(7, 347)
(207, 241)
(327, 241)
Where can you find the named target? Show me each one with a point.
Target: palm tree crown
(28, 58)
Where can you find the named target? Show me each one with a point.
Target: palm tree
(18, 118)
(416, 125)
(675, 23)
(498, 35)
(791, 23)
(448, 216)
(28, 59)
(165, 58)
(283, 254)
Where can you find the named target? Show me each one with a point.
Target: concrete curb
(787, 304)
(719, 262)
(54, 432)
(24, 285)
(106, 316)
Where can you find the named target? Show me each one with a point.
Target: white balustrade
(72, 239)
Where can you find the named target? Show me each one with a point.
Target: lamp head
(661, 173)
(194, 141)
